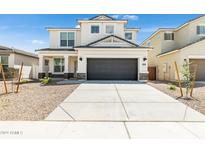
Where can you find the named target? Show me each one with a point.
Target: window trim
(169, 33)
(197, 29)
(149, 43)
(67, 39)
(106, 29)
(7, 60)
(46, 62)
(131, 36)
(91, 29)
(62, 66)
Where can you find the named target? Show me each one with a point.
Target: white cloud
(116, 16)
(77, 26)
(37, 42)
(130, 17)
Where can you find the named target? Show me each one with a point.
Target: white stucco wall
(28, 64)
(54, 37)
(83, 36)
(87, 36)
(112, 53)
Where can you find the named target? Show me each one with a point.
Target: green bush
(24, 81)
(45, 80)
(171, 87)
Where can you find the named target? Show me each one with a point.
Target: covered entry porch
(58, 66)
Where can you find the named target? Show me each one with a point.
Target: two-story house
(102, 48)
(186, 42)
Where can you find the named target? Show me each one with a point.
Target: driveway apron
(122, 102)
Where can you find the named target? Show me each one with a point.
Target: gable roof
(90, 45)
(187, 45)
(102, 16)
(171, 29)
(5, 49)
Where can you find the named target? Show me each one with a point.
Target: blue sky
(28, 32)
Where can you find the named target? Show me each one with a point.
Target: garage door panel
(200, 73)
(111, 69)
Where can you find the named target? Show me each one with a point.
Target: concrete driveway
(113, 110)
(122, 102)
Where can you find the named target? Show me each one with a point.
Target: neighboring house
(12, 58)
(186, 42)
(102, 48)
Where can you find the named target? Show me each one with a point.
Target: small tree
(187, 76)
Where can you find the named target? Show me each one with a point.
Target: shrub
(24, 81)
(45, 80)
(171, 87)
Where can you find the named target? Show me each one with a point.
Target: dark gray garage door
(200, 73)
(112, 69)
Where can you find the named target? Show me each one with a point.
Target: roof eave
(61, 28)
(167, 53)
(123, 21)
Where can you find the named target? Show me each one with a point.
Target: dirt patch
(198, 100)
(33, 102)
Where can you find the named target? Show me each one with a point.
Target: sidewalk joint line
(121, 102)
(128, 133)
(67, 113)
(188, 130)
(185, 113)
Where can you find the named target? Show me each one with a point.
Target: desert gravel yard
(198, 101)
(33, 102)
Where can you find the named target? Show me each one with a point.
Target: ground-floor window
(58, 65)
(4, 60)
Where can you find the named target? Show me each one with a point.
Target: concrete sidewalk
(122, 102)
(122, 130)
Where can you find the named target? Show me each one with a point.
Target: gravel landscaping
(198, 100)
(33, 102)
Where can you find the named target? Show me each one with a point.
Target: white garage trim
(196, 56)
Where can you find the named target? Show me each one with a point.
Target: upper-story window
(169, 36)
(201, 30)
(95, 29)
(67, 39)
(109, 29)
(149, 43)
(128, 36)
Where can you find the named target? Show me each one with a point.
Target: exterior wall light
(80, 58)
(144, 59)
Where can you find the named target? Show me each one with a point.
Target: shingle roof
(93, 18)
(14, 50)
(55, 49)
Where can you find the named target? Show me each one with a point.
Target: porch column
(51, 65)
(41, 74)
(66, 61)
(143, 72)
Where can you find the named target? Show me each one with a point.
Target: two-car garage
(112, 69)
